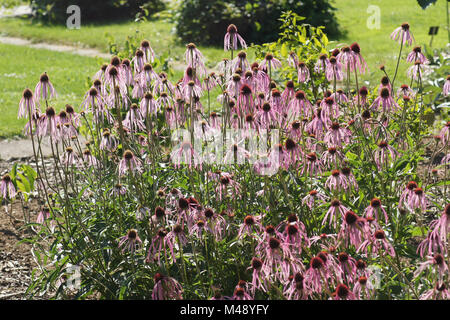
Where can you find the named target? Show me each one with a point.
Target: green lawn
(69, 72)
(21, 67)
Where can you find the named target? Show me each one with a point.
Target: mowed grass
(21, 67)
(376, 46)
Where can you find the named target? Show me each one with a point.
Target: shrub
(201, 21)
(92, 11)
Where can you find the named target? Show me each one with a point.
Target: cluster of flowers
(314, 135)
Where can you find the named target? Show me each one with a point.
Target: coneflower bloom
(417, 55)
(7, 188)
(339, 96)
(227, 185)
(108, 142)
(241, 294)
(47, 124)
(439, 292)
(336, 182)
(378, 242)
(159, 244)
(437, 263)
(130, 241)
(250, 225)
(446, 88)
(313, 197)
(363, 289)
(148, 51)
(230, 41)
(402, 34)
(134, 120)
(334, 70)
(312, 165)
(270, 62)
(186, 154)
(44, 88)
(259, 280)
(194, 58)
(360, 63)
(332, 157)
(317, 125)
(166, 288)
(321, 64)
(418, 71)
(363, 93)
(337, 135)
(418, 200)
(384, 154)
(342, 292)
(127, 73)
(69, 157)
(119, 190)
(129, 163)
(384, 100)
(300, 105)
(405, 90)
(336, 208)
(445, 133)
(316, 274)
(27, 104)
(347, 265)
(352, 230)
(374, 209)
(296, 288)
(266, 116)
(43, 215)
(302, 72)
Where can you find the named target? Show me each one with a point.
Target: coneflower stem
(398, 60)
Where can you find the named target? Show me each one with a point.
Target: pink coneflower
(148, 105)
(402, 34)
(378, 242)
(119, 190)
(130, 241)
(194, 58)
(384, 154)
(129, 163)
(363, 93)
(374, 209)
(321, 64)
(47, 124)
(336, 181)
(363, 288)
(439, 292)
(316, 274)
(437, 263)
(352, 229)
(317, 124)
(347, 265)
(300, 105)
(417, 55)
(186, 154)
(332, 157)
(418, 71)
(250, 225)
(347, 172)
(270, 62)
(240, 293)
(407, 193)
(266, 116)
(418, 200)
(446, 88)
(342, 292)
(405, 90)
(385, 100)
(227, 185)
(330, 109)
(313, 197)
(360, 63)
(108, 142)
(43, 215)
(259, 280)
(302, 72)
(296, 288)
(312, 165)
(44, 88)
(134, 120)
(69, 157)
(334, 70)
(445, 133)
(230, 41)
(159, 244)
(337, 135)
(7, 188)
(166, 288)
(147, 50)
(339, 96)
(27, 104)
(335, 209)
(139, 61)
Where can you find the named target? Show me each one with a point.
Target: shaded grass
(376, 46)
(20, 67)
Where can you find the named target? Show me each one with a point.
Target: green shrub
(201, 21)
(93, 11)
